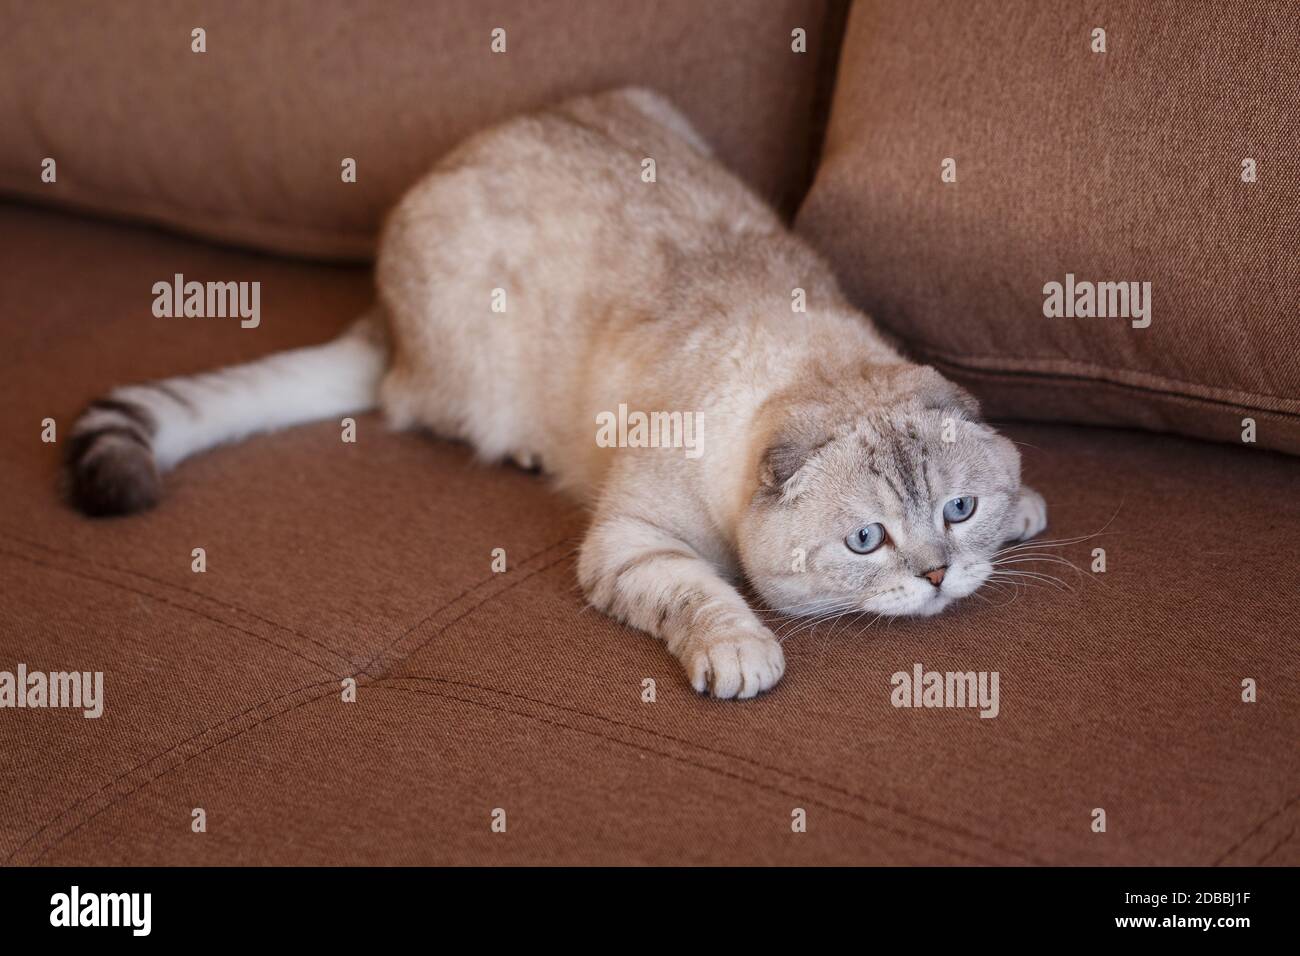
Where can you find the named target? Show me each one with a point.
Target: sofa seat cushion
(479, 690)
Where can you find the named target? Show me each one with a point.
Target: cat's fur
(672, 295)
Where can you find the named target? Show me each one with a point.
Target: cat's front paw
(733, 663)
(1029, 516)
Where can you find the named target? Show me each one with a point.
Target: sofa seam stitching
(757, 764)
(263, 703)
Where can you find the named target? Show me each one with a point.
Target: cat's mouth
(921, 599)
(912, 604)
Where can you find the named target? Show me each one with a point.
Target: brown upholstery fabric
(244, 142)
(482, 690)
(1116, 166)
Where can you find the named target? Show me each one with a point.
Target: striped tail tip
(110, 460)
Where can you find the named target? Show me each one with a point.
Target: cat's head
(887, 495)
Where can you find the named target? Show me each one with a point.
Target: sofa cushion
(480, 690)
(245, 142)
(1078, 167)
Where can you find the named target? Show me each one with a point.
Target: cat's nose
(935, 575)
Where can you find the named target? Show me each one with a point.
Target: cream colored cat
(830, 472)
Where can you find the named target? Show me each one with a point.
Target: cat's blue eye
(865, 540)
(959, 509)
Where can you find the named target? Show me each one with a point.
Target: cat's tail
(124, 441)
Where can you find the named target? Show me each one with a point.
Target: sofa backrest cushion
(245, 142)
(979, 153)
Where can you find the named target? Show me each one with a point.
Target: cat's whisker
(872, 622)
(1063, 542)
(846, 617)
(799, 624)
(863, 610)
(1004, 572)
(1050, 543)
(1037, 559)
(1015, 595)
(1030, 557)
(803, 606)
(1005, 586)
(1032, 577)
(1044, 555)
(814, 613)
(831, 614)
(851, 614)
(1057, 542)
(805, 609)
(814, 627)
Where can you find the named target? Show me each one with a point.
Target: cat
(833, 475)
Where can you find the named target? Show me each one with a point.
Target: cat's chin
(932, 606)
(910, 604)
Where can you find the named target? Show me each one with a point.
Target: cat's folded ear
(931, 390)
(786, 451)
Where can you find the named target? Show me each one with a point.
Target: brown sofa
(479, 690)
